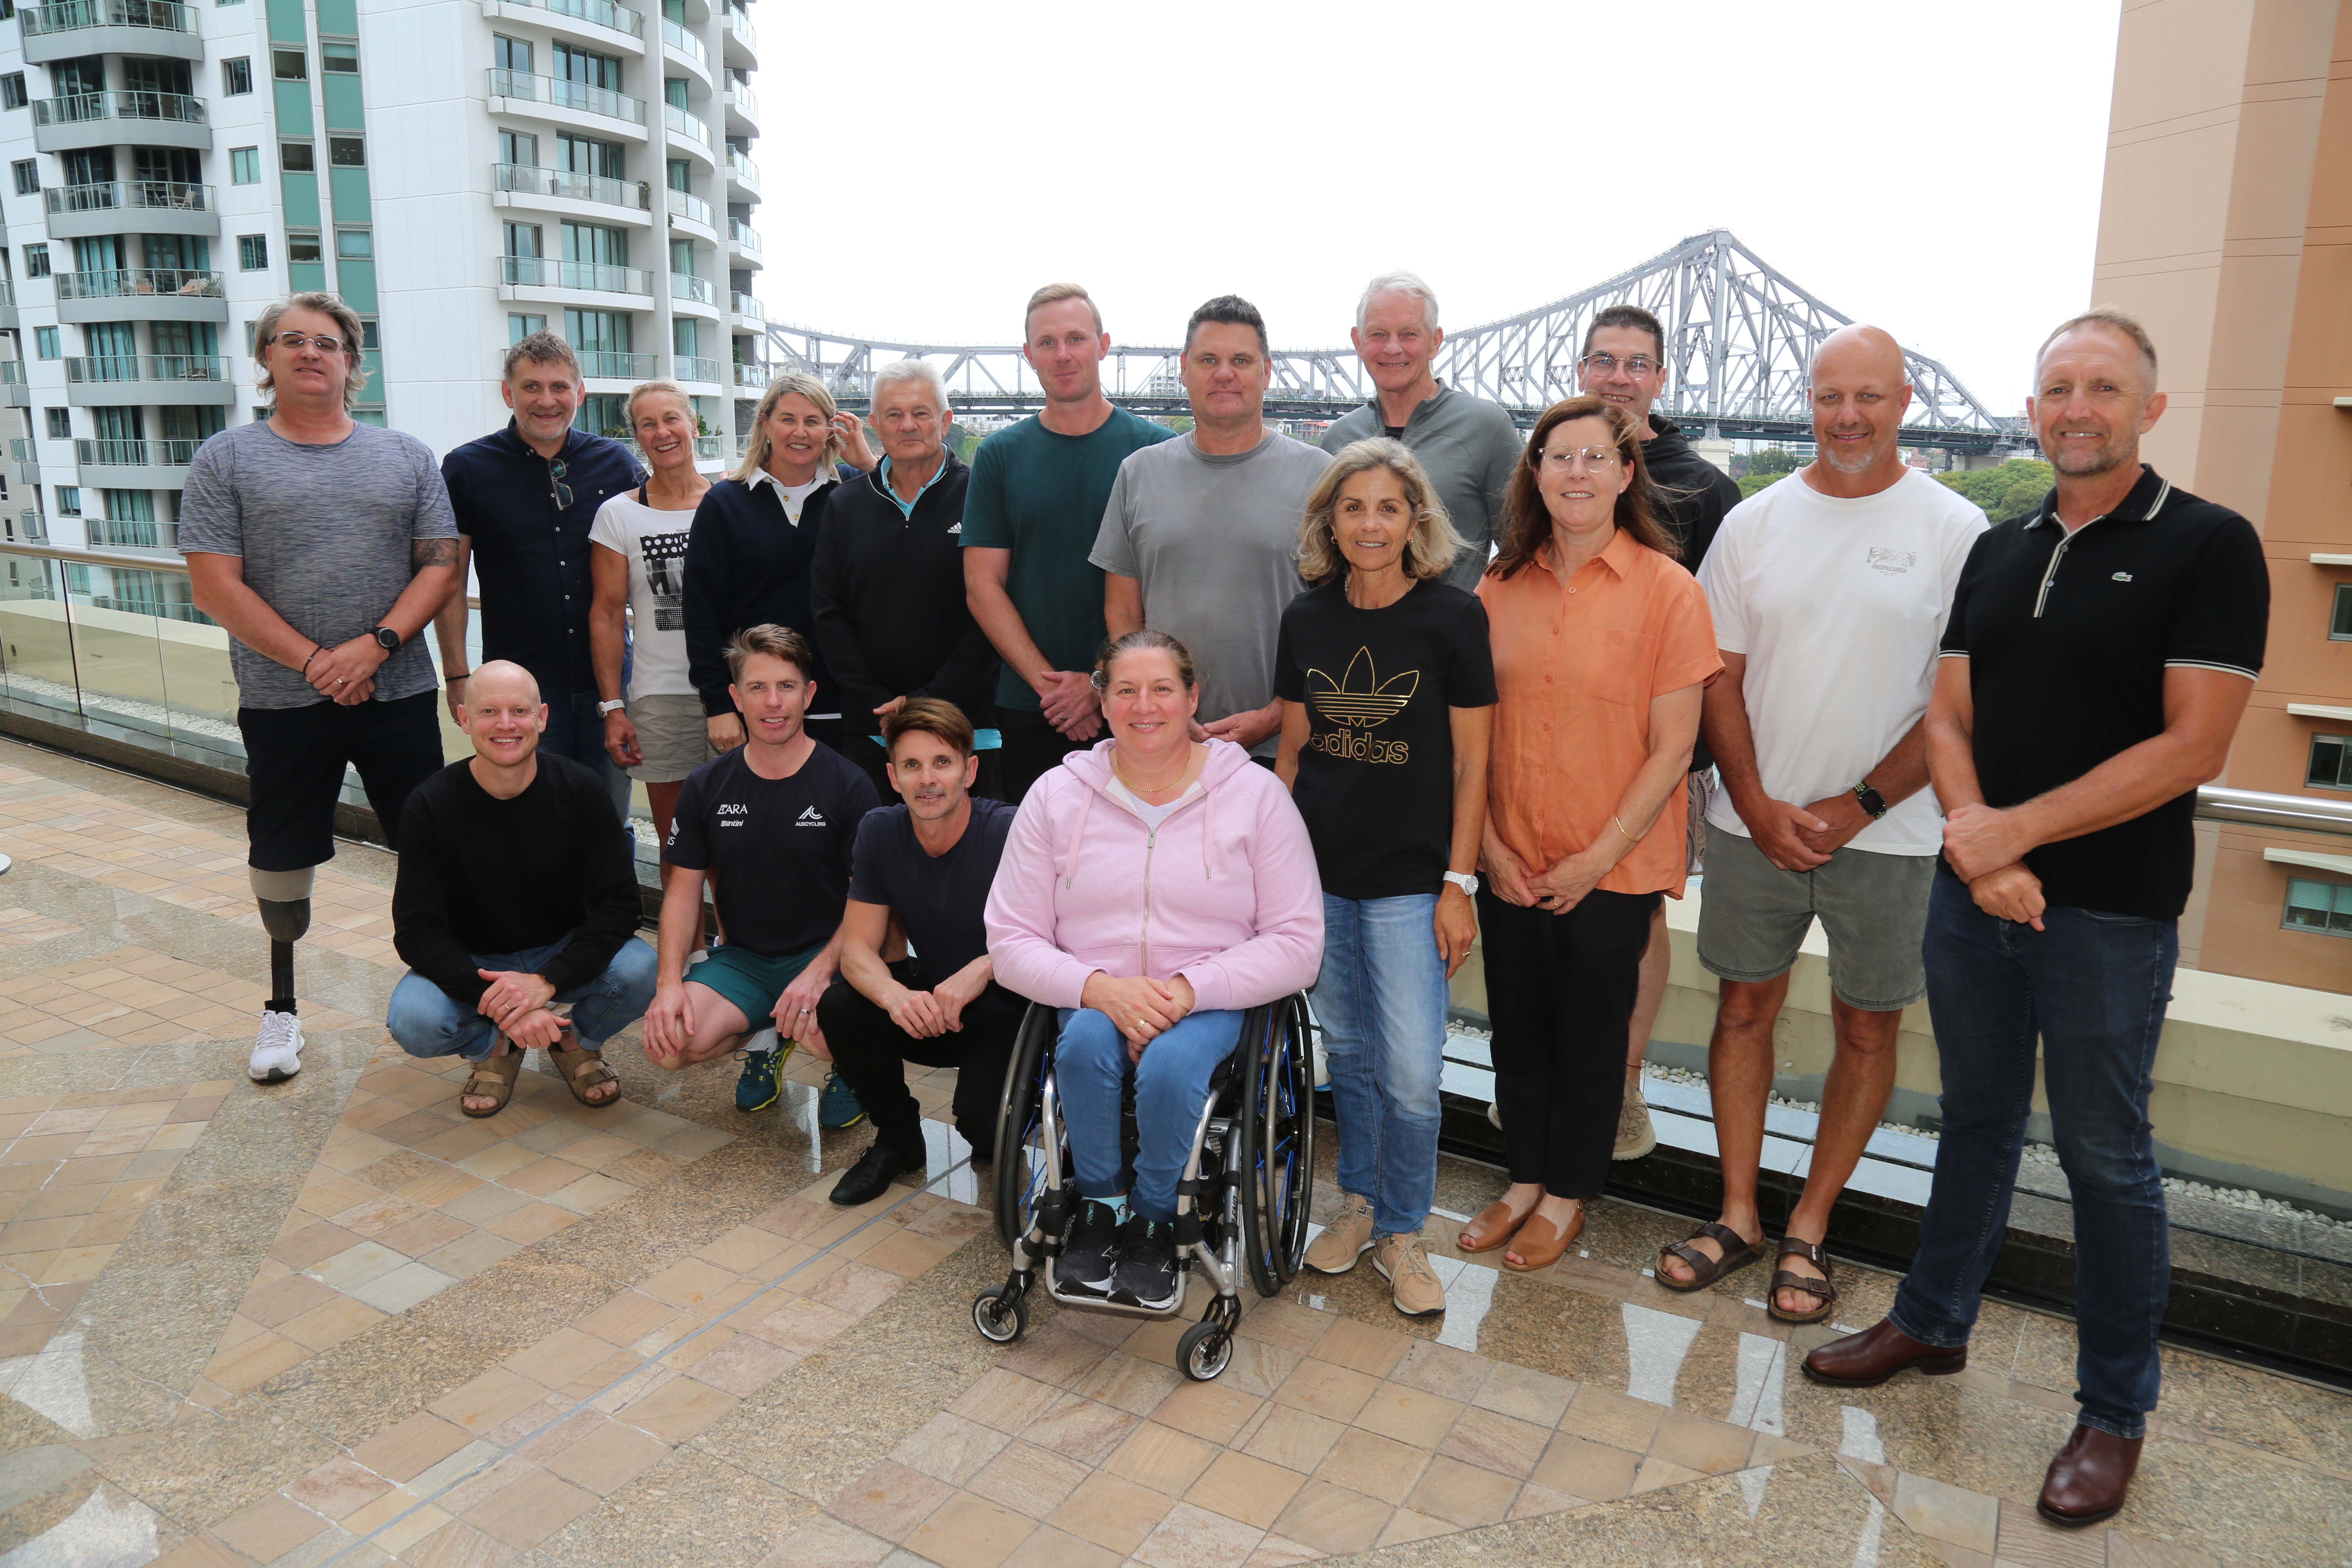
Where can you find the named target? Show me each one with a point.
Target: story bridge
(1738, 336)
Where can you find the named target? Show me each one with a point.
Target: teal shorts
(749, 979)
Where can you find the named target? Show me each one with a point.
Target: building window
(44, 344)
(237, 76)
(2331, 763)
(28, 176)
(2323, 907)
(244, 165)
(339, 60)
(355, 244)
(2339, 625)
(297, 157)
(303, 246)
(12, 90)
(60, 422)
(521, 327)
(37, 261)
(289, 65)
(69, 500)
(253, 252)
(347, 152)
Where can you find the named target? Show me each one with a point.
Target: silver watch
(1465, 880)
(605, 709)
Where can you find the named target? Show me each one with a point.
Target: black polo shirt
(2067, 639)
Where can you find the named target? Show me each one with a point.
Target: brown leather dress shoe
(2089, 1479)
(1869, 1358)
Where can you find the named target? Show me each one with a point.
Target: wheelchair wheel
(1206, 1351)
(1000, 1315)
(1275, 1153)
(1021, 1155)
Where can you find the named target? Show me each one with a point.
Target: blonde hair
(659, 384)
(347, 323)
(1429, 549)
(755, 449)
(1054, 294)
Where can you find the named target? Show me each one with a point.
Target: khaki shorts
(671, 737)
(1753, 917)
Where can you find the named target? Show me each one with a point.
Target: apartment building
(461, 172)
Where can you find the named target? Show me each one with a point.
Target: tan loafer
(1413, 1287)
(1347, 1239)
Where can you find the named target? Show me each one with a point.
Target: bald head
(505, 676)
(504, 716)
(1859, 394)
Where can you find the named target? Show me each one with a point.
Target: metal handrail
(565, 93)
(105, 194)
(606, 364)
(135, 104)
(139, 282)
(752, 374)
(2296, 813)
(164, 16)
(531, 180)
(107, 452)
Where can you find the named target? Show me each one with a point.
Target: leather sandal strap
(1821, 1290)
(1796, 1247)
(1723, 1235)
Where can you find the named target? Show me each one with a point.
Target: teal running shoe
(837, 1109)
(763, 1071)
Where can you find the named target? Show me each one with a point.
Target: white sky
(1933, 169)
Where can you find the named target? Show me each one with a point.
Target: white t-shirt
(654, 544)
(1838, 607)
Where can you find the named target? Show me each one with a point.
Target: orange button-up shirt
(1575, 665)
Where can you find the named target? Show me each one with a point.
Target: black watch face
(387, 639)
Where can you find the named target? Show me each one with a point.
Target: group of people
(1180, 724)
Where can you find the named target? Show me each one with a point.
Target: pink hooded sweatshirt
(1224, 892)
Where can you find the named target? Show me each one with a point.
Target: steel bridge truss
(1739, 336)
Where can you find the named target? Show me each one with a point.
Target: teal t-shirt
(1041, 496)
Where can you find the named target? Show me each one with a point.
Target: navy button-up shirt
(531, 552)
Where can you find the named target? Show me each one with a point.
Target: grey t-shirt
(1213, 542)
(1469, 447)
(325, 533)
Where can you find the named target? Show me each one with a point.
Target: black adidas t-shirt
(941, 902)
(778, 849)
(1376, 775)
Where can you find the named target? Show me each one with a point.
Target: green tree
(2007, 490)
(1772, 461)
(1756, 481)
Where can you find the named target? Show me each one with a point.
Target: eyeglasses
(326, 343)
(555, 472)
(1601, 364)
(1564, 458)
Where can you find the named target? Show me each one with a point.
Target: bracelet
(315, 652)
(1621, 827)
(453, 679)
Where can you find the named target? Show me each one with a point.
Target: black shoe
(1147, 1276)
(871, 1176)
(1090, 1250)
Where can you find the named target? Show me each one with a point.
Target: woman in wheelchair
(1153, 890)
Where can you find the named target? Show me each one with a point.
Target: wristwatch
(605, 710)
(387, 639)
(1871, 801)
(1465, 880)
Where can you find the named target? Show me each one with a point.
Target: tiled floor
(335, 1321)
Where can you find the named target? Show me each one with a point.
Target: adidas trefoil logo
(1358, 702)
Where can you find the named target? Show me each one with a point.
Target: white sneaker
(1494, 1116)
(276, 1048)
(1322, 1064)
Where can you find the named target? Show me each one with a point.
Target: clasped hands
(1069, 702)
(927, 1015)
(1987, 848)
(346, 673)
(517, 1002)
(1142, 1007)
(1558, 890)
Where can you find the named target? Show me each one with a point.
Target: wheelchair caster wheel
(1000, 1315)
(1204, 1351)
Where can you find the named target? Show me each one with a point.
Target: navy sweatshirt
(748, 565)
(891, 618)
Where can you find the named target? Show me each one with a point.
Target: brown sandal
(1543, 1247)
(1495, 1226)
(1705, 1271)
(1820, 1289)
(493, 1079)
(582, 1070)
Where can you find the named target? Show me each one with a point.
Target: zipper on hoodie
(1143, 937)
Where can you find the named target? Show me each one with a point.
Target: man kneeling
(929, 862)
(515, 892)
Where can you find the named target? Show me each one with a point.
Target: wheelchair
(1240, 1205)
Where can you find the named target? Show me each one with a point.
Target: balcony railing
(543, 272)
(707, 449)
(686, 286)
(147, 367)
(605, 14)
(22, 450)
(532, 180)
(136, 105)
(692, 368)
(740, 97)
(108, 194)
(741, 233)
(564, 93)
(745, 306)
(742, 168)
(32, 526)
(605, 365)
(686, 124)
(752, 375)
(7, 292)
(739, 24)
(161, 14)
(134, 282)
(684, 43)
(687, 205)
(107, 453)
(12, 373)
(132, 532)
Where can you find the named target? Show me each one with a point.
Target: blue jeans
(1380, 998)
(428, 1021)
(575, 730)
(1172, 1089)
(2094, 987)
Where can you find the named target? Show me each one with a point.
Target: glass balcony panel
(692, 368)
(684, 43)
(532, 180)
(741, 233)
(127, 282)
(684, 124)
(687, 205)
(36, 658)
(752, 375)
(683, 286)
(620, 18)
(106, 195)
(147, 367)
(83, 107)
(161, 14)
(745, 305)
(566, 94)
(603, 365)
(545, 272)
